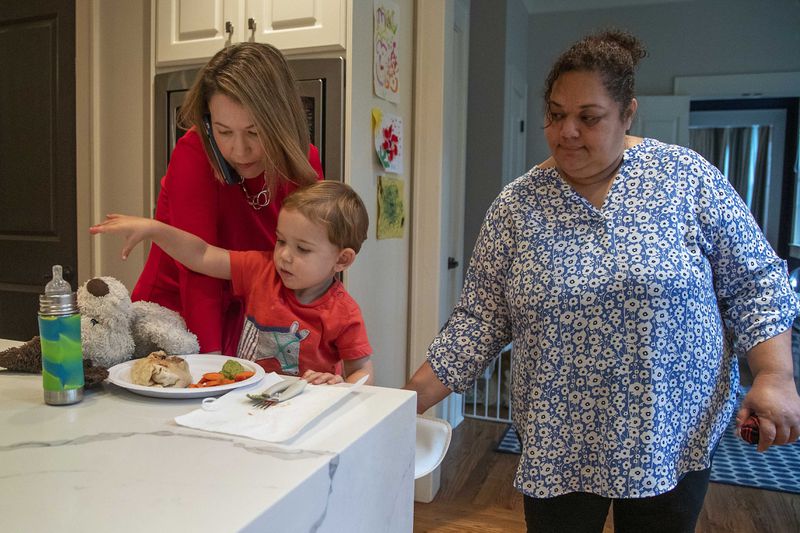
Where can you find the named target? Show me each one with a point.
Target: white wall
(378, 280)
(119, 112)
(701, 37)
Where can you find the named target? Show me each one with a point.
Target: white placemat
(235, 413)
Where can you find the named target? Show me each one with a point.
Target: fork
(280, 392)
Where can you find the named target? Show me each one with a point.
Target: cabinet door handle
(251, 25)
(229, 29)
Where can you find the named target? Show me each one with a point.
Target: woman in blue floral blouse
(630, 276)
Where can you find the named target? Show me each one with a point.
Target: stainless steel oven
(321, 86)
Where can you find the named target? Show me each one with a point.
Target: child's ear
(345, 259)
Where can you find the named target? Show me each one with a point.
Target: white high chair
(433, 440)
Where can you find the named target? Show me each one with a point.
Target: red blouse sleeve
(194, 207)
(313, 158)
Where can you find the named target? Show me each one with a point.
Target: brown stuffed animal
(28, 358)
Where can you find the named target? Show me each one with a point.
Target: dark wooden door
(37, 156)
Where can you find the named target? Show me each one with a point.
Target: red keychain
(749, 430)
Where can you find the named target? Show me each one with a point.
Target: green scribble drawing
(391, 211)
(386, 26)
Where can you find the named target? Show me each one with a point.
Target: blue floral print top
(626, 320)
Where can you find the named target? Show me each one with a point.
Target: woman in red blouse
(247, 94)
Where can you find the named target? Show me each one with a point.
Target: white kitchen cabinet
(298, 25)
(191, 31)
(194, 30)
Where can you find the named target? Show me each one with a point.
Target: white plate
(199, 364)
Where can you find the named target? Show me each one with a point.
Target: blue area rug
(738, 463)
(509, 442)
(735, 462)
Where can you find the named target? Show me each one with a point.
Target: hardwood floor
(476, 495)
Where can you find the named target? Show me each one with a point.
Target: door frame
(434, 228)
(429, 273)
(84, 26)
(425, 234)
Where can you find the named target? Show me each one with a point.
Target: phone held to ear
(230, 175)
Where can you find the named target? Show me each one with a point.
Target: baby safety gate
(490, 396)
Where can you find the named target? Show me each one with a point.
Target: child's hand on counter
(322, 378)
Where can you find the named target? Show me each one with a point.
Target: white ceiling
(549, 6)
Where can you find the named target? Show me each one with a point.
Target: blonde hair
(256, 76)
(336, 206)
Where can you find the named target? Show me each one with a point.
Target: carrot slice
(215, 379)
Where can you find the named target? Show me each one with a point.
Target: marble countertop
(118, 462)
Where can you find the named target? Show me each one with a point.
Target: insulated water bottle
(60, 336)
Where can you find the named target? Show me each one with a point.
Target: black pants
(675, 511)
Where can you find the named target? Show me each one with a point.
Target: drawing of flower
(389, 146)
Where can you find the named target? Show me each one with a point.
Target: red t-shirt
(193, 200)
(286, 336)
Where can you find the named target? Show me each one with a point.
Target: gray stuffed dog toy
(114, 329)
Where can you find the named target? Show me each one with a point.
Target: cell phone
(229, 174)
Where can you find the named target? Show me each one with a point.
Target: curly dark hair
(613, 54)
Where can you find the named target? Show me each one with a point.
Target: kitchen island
(117, 461)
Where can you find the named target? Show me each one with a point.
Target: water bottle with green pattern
(60, 335)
